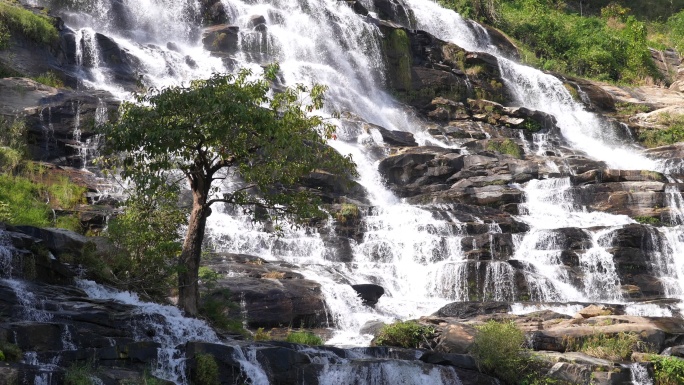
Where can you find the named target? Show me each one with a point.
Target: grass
(262, 335)
(79, 375)
(348, 212)
(667, 370)
(648, 220)
(506, 147)
(304, 338)
(672, 131)
(611, 45)
(405, 334)
(206, 370)
(499, 350)
(50, 79)
(614, 347)
(15, 19)
(10, 352)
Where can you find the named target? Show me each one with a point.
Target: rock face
(369, 293)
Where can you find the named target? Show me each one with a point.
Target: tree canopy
(227, 126)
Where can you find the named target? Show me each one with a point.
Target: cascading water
(416, 257)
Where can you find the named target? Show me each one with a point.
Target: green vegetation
(610, 46)
(667, 370)
(672, 132)
(348, 212)
(406, 334)
(13, 134)
(506, 147)
(614, 347)
(215, 306)
(79, 375)
(304, 338)
(206, 370)
(648, 220)
(15, 19)
(262, 335)
(10, 352)
(217, 124)
(499, 350)
(50, 79)
(146, 242)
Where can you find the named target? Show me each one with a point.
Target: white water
(414, 256)
(639, 374)
(171, 330)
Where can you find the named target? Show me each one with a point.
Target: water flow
(171, 331)
(639, 374)
(536, 90)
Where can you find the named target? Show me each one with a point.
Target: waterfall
(416, 255)
(171, 331)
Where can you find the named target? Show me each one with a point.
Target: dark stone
(369, 293)
(222, 39)
(462, 361)
(472, 309)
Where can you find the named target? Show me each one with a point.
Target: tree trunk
(189, 261)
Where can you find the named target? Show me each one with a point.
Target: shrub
(261, 335)
(50, 79)
(506, 147)
(10, 352)
(146, 243)
(38, 28)
(23, 198)
(647, 220)
(667, 370)
(499, 350)
(615, 347)
(672, 132)
(66, 195)
(206, 372)
(9, 159)
(304, 338)
(348, 212)
(79, 375)
(215, 307)
(406, 334)
(13, 134)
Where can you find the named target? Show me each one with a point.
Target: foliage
(672, 131)
(64, 194)
(667, 370)
(206, 370)
(9, 159)
(612, 48)
(262, 335)
(348, 212)
(79, 375)
(13, 134)
(50, 79)
(647, 220)
(499, 350)
(506, 147)
(481, 10)
(10, 352)
(146, 242)
(304, 338)
(215, 306)
(406, 334)
(16, 19)
(23, 198)
(614, 347)
(227, 123)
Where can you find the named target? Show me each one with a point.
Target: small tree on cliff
(226, 125)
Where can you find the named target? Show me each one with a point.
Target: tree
(225, 126)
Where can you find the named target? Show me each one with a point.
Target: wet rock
(394, 138)
(332, 188)
(369, 293)
(596, 310)
(471, 309)
(229, 369)
(462, 361)
(274, 302)
(394, 11)
(372, 327)
(221, 39)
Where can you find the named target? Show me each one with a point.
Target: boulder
(369, 293)
(221, 39)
